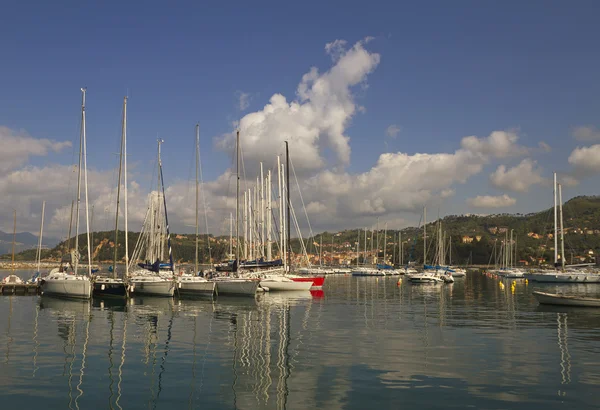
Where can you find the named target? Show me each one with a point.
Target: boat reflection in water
(72, 316)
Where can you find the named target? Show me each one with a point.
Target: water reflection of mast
(283, 360)
(164, 358)
(36, 343)
(83, 357)
(122, 360)
(110, 358)
(565, 356)
(9, 338)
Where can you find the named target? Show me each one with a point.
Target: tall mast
(424, 236)
(365, 258)
(283, 231)
(512, 262)
(230, 233)
(70, 226)
(377, 243)
(555, 226)
(262, 210)
(251, 222)
(450, 250)
(357, 247)
(562, 232)
(125, 187)
(516, 261)
(197, 191)
(162, 184)
(384, 242)
(287, 175)
(280, 199)
(245, 223)
(401, 248)
(321, 252)
(237, 199)
(14, 238)
(269, 205)
(119, 193)
(39, 259)
(79, 180)
(87, 208)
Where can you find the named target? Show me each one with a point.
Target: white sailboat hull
(565, 277)
(195, 286)
(556, 299)
(234, 286)
(164, 287)
(68, 286)
(281, 283)
(425, 279)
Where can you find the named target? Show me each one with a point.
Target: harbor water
(360, 343)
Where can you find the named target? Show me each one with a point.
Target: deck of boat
(19, 289)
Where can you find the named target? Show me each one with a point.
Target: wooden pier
(19, 289)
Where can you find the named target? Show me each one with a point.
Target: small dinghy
(558, 299)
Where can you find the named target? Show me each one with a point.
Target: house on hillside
(478, 238)
(467, 239)
(493, 230)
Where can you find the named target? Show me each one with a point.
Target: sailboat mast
(262, 210)
(562, 232)
(321, 252)
(424, 235)
(287, 175)
(70, 227)
(125, 187)
(358, 247)
(555, 225)
(79, 180)
(384, 242)
(39, 259)
(269, 205)
(230, 233)
(114, 273)
(197, 192)
(87, 208)
(245, 222)
(401, 249)
(14, 238)
(162, 185)
(237, 199)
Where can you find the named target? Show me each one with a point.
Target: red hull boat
(317, 281)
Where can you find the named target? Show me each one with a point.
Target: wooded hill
(472, 238)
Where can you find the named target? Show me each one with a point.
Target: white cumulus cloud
(586, 133)
(586, 160)
(518, 178)
(488, 201)
(17, 147)
(316, 118)
(499, 144)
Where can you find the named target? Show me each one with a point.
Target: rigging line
(203, 193)
(310, 231)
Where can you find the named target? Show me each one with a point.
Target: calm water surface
(362, 342)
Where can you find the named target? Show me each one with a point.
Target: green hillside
(472, 237)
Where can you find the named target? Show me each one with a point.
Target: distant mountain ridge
(23, 241)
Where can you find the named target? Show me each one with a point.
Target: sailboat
(194, 285)
(560, 274)
(12, 278)
(117, 287)
(38, 257)
(427, 276)
(60, 282)
(154, 278)
(279, 282)
(235, 285)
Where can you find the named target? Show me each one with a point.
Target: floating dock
(19, 289)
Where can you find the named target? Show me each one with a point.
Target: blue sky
(447, 70)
